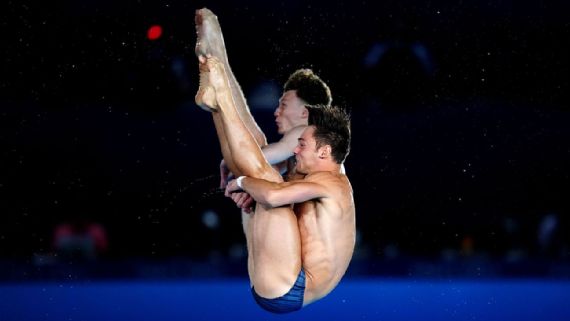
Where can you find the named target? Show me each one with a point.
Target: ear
(305, 112)
(325, 152)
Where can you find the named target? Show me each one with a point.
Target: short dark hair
(332, 127)
(310, 88)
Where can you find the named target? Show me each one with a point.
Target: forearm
(261, 191)
(272, 194)
(276, 154)
(282, 150)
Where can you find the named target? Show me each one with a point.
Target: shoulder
(331, 181)
(326, 178)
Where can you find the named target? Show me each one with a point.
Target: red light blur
(154, 32)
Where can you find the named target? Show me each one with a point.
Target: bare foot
(206, 95)
(210, 43)
(213, 83)
(210, 40)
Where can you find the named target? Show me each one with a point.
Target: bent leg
(273, 234)
(242, 150)
(210, 41)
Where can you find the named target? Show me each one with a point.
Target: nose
(276, 112)
(296, 150)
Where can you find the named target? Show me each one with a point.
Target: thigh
(276, 250)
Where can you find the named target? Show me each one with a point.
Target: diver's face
(306, 152)
(290, 113)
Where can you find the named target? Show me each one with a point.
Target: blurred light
(547, 229)
(210, 219)
(154, 32)
(374, 55)
(238, 251)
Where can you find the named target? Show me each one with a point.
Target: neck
(329, 166)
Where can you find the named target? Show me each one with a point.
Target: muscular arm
(280, 151)
(278, 194)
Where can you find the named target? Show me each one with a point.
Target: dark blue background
(354, 299)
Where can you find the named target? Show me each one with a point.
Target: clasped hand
(242, 199)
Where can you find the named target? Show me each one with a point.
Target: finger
(236, 198)
(247, 202)
(242, 198)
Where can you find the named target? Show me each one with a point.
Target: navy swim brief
(289, 302)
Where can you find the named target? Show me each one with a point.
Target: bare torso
(327, 229)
